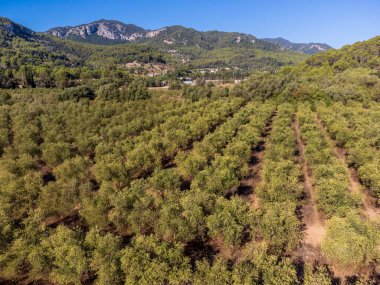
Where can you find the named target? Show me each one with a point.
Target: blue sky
(336, 22)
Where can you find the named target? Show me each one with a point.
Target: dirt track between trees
(315, 228)
(355, 186)
(249, 184)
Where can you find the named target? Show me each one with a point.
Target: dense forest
(104, 181)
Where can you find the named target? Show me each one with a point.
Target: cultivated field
(170, 191)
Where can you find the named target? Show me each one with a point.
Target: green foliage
(105, 256)
(281, 273)
(5, 98)
(63, 79)
(108, 92)
(137, 90)
(319, 275)
(27, 79)
(196, 93)
(226, 171)
(329, 173)
(71, 183)
(351, 242)
(176, 221)
(191, 163)
(280, 226)
(346, 74)
(24, 250)
(123, 203)
(66, 258)
(218, 273)
(77, 93)
(232, 220)
(149, 261)
(265, 85)
(95, 208)
(112, 191)
(20, 186)
(280, 191)
(55, 153)
(348, 126)
(5, 228)
(269, 268)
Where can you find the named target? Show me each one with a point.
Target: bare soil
(314, 225)
(251, 182)
(370, 210)
(198, 250)
(356, 187)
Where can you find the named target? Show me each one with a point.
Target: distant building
(188, 81)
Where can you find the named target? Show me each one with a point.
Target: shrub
(108, 92)
(137, 90)
(351, 242)
(77, 93)
(231, 220)
(150, 261)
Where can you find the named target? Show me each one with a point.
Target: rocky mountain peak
(106, 29)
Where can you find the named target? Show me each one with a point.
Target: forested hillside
(351, 73)
(105, 181)
(199, 49)
(33, 60)
(25, 54)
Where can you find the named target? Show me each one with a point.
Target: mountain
(9, 29)
(22, 46)
(310, 48)
(211, 49)
(102, 31)
(114, 32)
(103, 43)
(109, 31)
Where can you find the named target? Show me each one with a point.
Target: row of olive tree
(351, 242)
(349, 127)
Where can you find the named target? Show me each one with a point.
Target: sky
(335, 22)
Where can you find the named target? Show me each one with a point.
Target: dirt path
(355, 186)
(251, 182)
(315, 228)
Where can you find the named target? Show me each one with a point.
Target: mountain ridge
(112, 31)
(108, 29)
(105, 31)
(9, 29)
(175, 46)
(308, 48)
